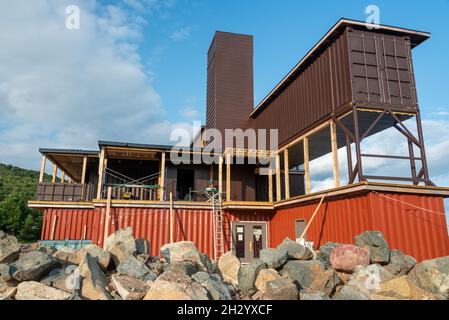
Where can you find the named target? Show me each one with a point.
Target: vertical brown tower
(230, 93)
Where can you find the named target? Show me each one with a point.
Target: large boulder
(94, 282)
(186, 267)
(31, 290)
(302, 273)
(324, 253)
(374, 241)
(101, 256)
(281, 289)
(129, 288)
(265, 276)
(32, 266)
(401, 289)
(348, 292)
(60, 279)
(121, 245)
(432, 276)
(326, 282)
(312, 295)
(5, 272)
(217, 289)
(66, 255)
(176, 286)
(133, 267)
(295, 251)
(7, 292)
(274, 258)
(346, 257)
(9, 248)
(247, 275)
(182, 251)
(400, 263)
(142, 246)
(229, 266)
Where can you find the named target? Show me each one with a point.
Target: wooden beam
(100, 173)
(172, 219)
(307, 134)
(62, 176)
(306, 165)
(336, 169)
(311, 219)
(55, 170)
(83, 173)
(107, 217)
(162, 178)
(286, 175)
(43, 162)
(270, 185)
(278, 179)
(228, 176)
(220, 175)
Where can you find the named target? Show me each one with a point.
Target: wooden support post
(162, 178)
(55, 170)
(286, 175)
(336, 169)
(306, 165)
(62, 176)
(172, 219)
(107, 217)
(270, 185)
(220, 175)
(41, 175)
(53, 228)
(278, 179)
(83, 173)
(311, 219)
(100, 173)
(228, 176)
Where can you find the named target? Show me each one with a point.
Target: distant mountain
(17, 179)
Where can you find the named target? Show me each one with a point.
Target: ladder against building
(215, 198)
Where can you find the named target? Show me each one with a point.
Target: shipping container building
(355, 83)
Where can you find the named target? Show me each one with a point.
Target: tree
(31, 227)
(13, 212)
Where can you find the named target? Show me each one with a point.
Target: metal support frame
(356, 138)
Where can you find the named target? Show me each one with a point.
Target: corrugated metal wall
(312, 96)
(420, 233)
(415, 224)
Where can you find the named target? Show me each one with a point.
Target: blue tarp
(76, 244)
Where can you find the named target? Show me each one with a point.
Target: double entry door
(248, 238)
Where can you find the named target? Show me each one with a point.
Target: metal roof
(416, 37)
(133, 145)
(67, 151)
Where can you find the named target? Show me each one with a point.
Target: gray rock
(217, 289)
(142, 246)
(432, 276)
(247, 275)
(31, 290)
(295, 250)
(121, 245)
(5, 272)
(67, 255)
(303, 273)
(7, 292)
(281, 289)
(176, 286)
(229, 266)
(101, 256)
(312, 295)
(400, 263)
(133, 267)
(349, 293)
(274, 258)
(378, 247)
(156, 266)
(326, 282)
(32, 266)
(181, 252)
(129, 288)
(94, 282)
(324, 253)
(59, 279)
(9, 248)
(188, 268)
(151, 276)
(207, 263)
(47, 249)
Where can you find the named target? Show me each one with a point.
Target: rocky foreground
(124, 271)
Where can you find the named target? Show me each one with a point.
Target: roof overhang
(416, 37)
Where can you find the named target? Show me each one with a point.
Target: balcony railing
(65, 192)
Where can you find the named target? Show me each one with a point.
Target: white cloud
(68, 89)
(181, 34)
(189, 113)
